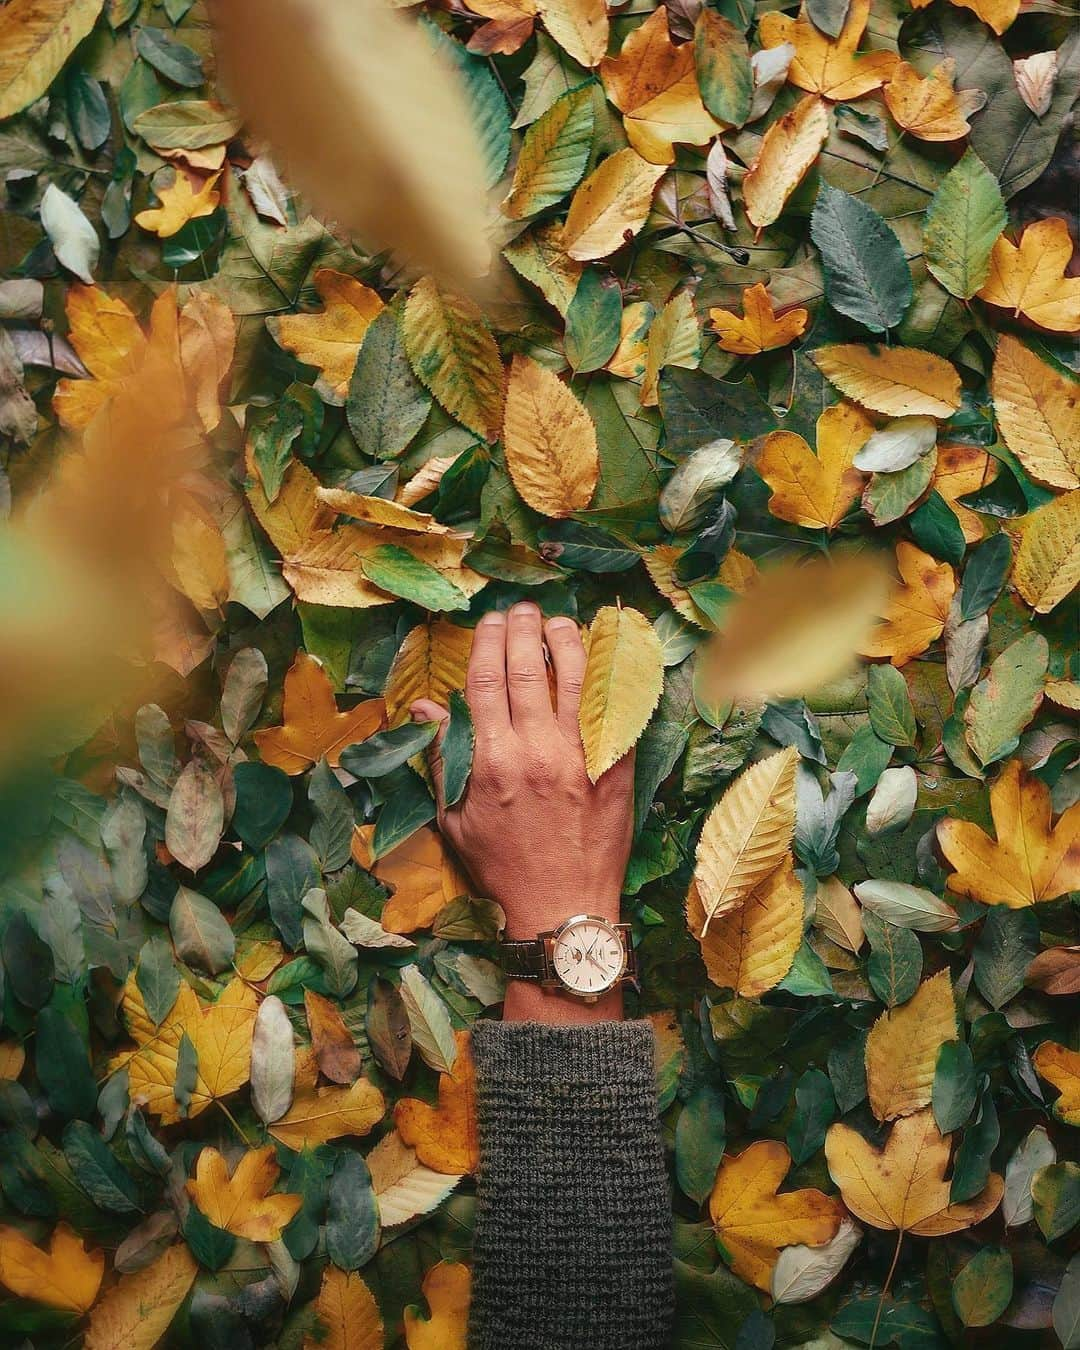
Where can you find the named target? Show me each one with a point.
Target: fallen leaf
(753, 1222)
(1030, 861)
(899, 381)
(331, 1041)
(313, 728)
(917, 610)
(1036, 406)
(348, 1316)
(816, 491)
(1035, 78)
(553, 155)
(319, 1114)
(902, 1049)
(405, 1187)
(1030, 277)
(580, 27)
(750, 949)
(549, 440)
(242, 1202)
(330, 339)
(961, 469)
(1061, 1066)
(67, 1276)
(931, 108)
(759, 329)
(831, 67)
(444, 1136)
(610, 206)
(186, 198)
(137, 1310)
(999, 14)
(1047, 565)
(447, 1287)
(674, 340)
(786, 152)
(421, 873)
(36, 38)
(621, 686)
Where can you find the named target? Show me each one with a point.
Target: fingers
(568, 657)
(526, 673)
(485, 683)
(424, 710)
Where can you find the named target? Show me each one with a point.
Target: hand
(533, 832)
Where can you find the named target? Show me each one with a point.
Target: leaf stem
(885, 1288)
(234, 1123)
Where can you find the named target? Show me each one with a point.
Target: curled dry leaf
(1035, 78)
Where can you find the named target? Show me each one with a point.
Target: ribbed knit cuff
(573, 1227)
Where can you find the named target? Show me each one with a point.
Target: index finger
(485, 682)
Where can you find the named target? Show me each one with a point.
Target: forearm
(573, 1238)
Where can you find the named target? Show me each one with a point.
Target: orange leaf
(931, 109)
(962, 469)
(786, 152)
(186, 198)
(66, 1276)
(444, 1136)
(348, 1316)
(421, 873)
(339, 1060)
(829, 66)
(1061, 1066)
(916, 613)
(816, 491)
(242, 1203)
(331, 338)
(313, 727)
(1029, 277)
(759, 329)
(135, 1313)
(447, 1287)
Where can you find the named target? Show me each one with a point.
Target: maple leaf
(330, 339)
(917, 610)
(816, 491)
(447, 1287)
(654, 84)
(313, 728)
(319, 1114)
(186, 198)
(67, 1276)
(422, 875)
(444, 1136)
(832, 67)
(759, 329)
(1029, 277)
(511, 26)
(902, 1186)
(931, 109)
(241, 1203)
(961, 469)
(1030, 861)
(1061, 1066)
(753, 1222)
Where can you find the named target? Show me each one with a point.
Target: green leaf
(186, 125)
(1007, 945)
(457, 749)
(964, 218)
(87, 108)
(698, 409)
(1007, 698)
(866, 274)
(201, 933)
(971, 1165)
(828, 17)
(157, 979)
(935, 528)
(554, 155)
(1066, 1311)
(955, 1086)
(891, 714)
(985, 575)
(593, 321)
(1055, 1191)
(896, 960)
(211, 1246)
(722, 58)
(432, 1032)
(62, 1059)
(408, 805)
(28, 961)
(264, 799)
(292, 869)
(97, 1170)
(889, 496)
(700, 1136)
(386, 751)
(176, 61)
(386, 405)
(352, 1215)
(867, 756)
(331, 832)
(815, 1110)
(395, 569)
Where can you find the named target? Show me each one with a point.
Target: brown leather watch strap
(523, 960)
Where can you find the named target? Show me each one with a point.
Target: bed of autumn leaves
(773, 286)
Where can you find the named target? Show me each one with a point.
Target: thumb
(424, 710)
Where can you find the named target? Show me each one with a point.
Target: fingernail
(493, 617)
(561, 621)
(526, 608)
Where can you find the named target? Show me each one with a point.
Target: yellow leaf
(961, 469)
(816, 491)
(296, 515)
(999, 14)
(746, 835)
(610, 206)
(242, 1203)
(628, 360)
(553, 155)
(796, 629)
(786, 151)
(454, 354)
(346, 92)
(831, 67)
(674, 340)
(737, 573)
(580, 27)
(318, 1115)
(331, 338)
(447, 1287)
(624, 676)
(379, 511)
(405, 1187)
(421, 873)
(549, 440)
(917, 609)
(1061, 1066)
(750, 949)
(326, 569)
(1030, 861)
(12, 1059)
(431, 661)
(427, 478)
(1038, 410)
(931, 109)
(1030, 277)
(347, 1313)
(186, 198)
(36, 38)
(899, 381)
(136, 1312)
(313, 727)
(753, 1222)
(67, 1276)
(1047, 565)
(838, 914)
(902, 1186)
(198, 559)
(444, 1136)
(540, 256)
(759, 329)
(902, 1048)
(654, 85)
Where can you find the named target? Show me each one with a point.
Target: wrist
(544, 909)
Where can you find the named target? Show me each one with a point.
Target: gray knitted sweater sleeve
(573, 1223)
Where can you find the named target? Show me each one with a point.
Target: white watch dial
(588, 956)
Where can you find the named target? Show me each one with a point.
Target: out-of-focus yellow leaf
(331, 338)
(902, 1048)
(931, 109)
(758, 329)
(1030, 277)
(1030, 861)
(610, 206)
(832, 67)
(786, 152)
(898, 381)
(444, 1136)
(36, 38)
(816, 491)
(348, 1316)
(447, 1287)
(1038, 410)
(198, 559)
(136, 1312)
(624, 676)
(751, 948)
(746, 835)
(549, 440)
(313, 727)
(242, 1203)
(368, 121)
(184, 199)
(1047, 566)
(67, 1276)
(654, 85)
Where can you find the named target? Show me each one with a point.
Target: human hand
(531, 829)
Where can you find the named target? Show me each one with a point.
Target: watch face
(588, 956)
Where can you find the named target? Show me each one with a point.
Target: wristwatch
(584, 957)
